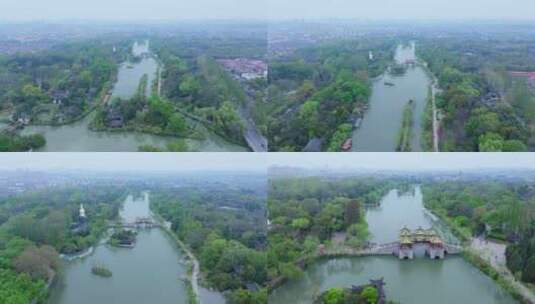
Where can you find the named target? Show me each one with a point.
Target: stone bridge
(427, 239)
(138, 223)
(409, 241)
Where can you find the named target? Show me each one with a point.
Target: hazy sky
(404, 9)
(258, 9)
(261, 161)
(131, 9)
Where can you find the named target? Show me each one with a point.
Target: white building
(82, 211)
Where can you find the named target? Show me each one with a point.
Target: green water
(151, 272)
(418, 281)
(380, 126)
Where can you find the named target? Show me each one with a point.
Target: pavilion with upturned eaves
(427, 237)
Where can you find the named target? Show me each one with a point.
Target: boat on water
(389, 84)
(348, 144)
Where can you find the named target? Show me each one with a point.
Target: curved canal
(77, 137)
(418, 281)
(151, 272)
(381, 124)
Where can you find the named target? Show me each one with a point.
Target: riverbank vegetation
(343, 296)
(123, 238)
(484, 107)
(17, 143)
(504, 212)
(427, 123)
(483, 265)
(224, 228)
(317, 91)
(60, 84)
(144, 114)
(365, 294)
(309, 214)
(195, 80)
(36, 226)
(405, 133)
(209, 79)
(101, 271)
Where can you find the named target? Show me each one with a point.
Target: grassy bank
(474, 259)
(427, 123)
(192, 296)
(405, 133)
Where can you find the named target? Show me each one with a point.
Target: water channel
(418, 281)
(380, 126)
(77, 137)
(151, 272)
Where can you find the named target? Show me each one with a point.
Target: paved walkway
(494, 254)
(435, 118)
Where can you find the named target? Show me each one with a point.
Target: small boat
(389, 84)
(358, 122)
(348, 144)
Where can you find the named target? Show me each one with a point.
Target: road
(256, 141)
(435, 118)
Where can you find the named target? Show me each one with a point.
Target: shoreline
(467, 254)
(476, 260)
(192, 283)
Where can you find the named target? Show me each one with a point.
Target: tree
(149, 148)
(300, 224)
(491, 142)
(54, 226)
(370, 294)
(514, 259)
(38, 263)
(334, 296)
(528, 274)
(32, 95)
(352, 212)
(309, 115)
(242, 296)
(160, 111)
(85, 79)
(189, 86)
(482, 121)
(306, 90)
(179, 145)
(177, 124)
(514, 145)
(343, 132)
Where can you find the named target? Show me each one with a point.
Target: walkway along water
(417, 281)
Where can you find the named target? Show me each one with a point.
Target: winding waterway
(380, 126)
(77, 137)
(151, 272)
(418, 281)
